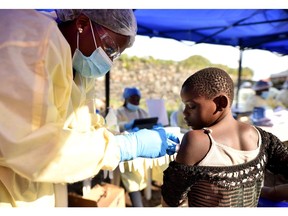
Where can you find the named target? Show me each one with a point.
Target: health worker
(49, 136)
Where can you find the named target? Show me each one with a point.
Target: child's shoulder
(194, 146)
(193, 137)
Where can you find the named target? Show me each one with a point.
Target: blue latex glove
(173, 143)
(135, 129)
(128, 126)
(157, 125)
(143, 143)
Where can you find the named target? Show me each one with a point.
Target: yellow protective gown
(47, 136)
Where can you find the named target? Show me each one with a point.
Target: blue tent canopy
(265, 29)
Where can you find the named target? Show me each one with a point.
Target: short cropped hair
(210, 82)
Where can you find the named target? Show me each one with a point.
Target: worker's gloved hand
(157, 125)
(143, 143)
(128, 126)
(173, 143)
(134, 129)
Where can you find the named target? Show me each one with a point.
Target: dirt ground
(155, 200)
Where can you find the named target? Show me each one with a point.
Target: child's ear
(221, 102)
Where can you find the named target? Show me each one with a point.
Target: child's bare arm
(275, 193)
(194, 146)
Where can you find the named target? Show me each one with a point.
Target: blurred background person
(282, 96)
(262, 103)
(134, 178)
(130, 110)
(265, 96)
(260, 98)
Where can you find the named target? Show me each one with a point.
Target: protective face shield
(94, 66)
(132, 107)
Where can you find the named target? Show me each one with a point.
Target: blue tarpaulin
(265, 29)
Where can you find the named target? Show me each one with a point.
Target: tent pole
(239, 77)
(107, 91)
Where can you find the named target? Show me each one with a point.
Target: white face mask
(94, 66)
(132, 107)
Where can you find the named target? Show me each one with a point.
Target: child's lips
(187, 121)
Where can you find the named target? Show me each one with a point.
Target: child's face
(199, 112)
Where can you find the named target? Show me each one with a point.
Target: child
(221, 161)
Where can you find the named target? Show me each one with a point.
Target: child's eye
(190, 106)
